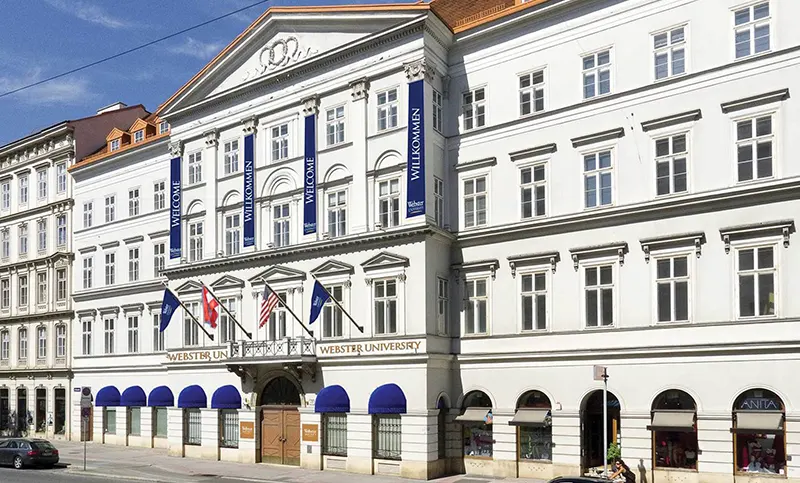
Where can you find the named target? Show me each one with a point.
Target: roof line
(494, 15)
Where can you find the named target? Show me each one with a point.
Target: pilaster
(311, 107)
(97, 425)
(310, 451)
(359, 126)
(175, 432)
(146, 426)
(248, 450)
(175, 151)
(121, 438)
(209, 434)
(250, 127)
(359, 443)
(213, 235)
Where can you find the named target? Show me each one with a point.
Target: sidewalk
(154, 466)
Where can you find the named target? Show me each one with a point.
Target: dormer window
(113, 145)
(138, 136)
(163, 127)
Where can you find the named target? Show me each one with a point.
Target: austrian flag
(210, 305)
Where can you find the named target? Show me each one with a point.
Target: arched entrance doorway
(592, 450)
(280, 422)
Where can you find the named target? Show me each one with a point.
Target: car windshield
(43, 445)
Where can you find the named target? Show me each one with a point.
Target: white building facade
(502, 200)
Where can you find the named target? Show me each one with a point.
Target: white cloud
(197, 48)
(90, 13)
(64, 91)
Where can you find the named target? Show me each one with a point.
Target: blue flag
(318, 298)
(168, 307)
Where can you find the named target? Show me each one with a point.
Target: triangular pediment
(275, 274)
(189, 287)
(384, 260)
(333, 267)
(115, 133)
(139, 124)
(228, 281)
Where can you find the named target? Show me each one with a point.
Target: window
(110, 268)
(385, 293)
(41, 291)
(61, 230)
(41, 345)
(87, 272)
(196, 168)
(756, 272)
(280, 225)
(61, 178)
(41, 184)
(389, 203)
(669, 53)
(754, 140)
(229, 428)
(442, 302)
(597, 171)
(23, 189)
(535, 442)
(191, 333)
(5, 195)
(276, 329)
(478, 438)
(387, 431)
(23, 290)
(114, 145)
(531, 93)
(334, 434)
(5, 293)
(337, 214)
(751, 30)
(765, 444)
(5, 243)
(133, 334)
(331, 314)
(61, 341)
(438, 201)
(231, 157)
(532, 191)
(534, 301)
(158, 336)
(111, 206)
(160, 418)
(473, 107)
(227, 326)
(133, 202)
(133, 264)
(192, 424)
(597, 74)
(387, 109)
(108, 335)
(438, 106)
(159, 258)
(61, 284)
(232, 234)
(159, 195)
(280, 142)
(110, 420)
(196, 241)
(23, 344)
(475, 202)
(134, 421)
(41, 235)
(334, 125)
(477, 308)
(5, 342)
(672, 287)
(674, 426)
(23, 239)
(599, 288)
(86, 337)
(88, 207)
(163, 127)
(138, 136)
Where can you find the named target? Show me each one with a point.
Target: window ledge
(781, 228)
(673, 241)
(755, 101)
(585, 253)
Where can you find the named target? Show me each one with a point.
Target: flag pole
(309, 332)
(189, 312)
(248, 334)
(360, 328)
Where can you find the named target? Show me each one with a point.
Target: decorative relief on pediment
(277, 54)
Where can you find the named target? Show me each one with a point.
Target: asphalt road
(61, 475)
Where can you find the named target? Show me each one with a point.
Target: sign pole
(605, 422)
(85, 436)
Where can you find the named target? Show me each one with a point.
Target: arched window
(443, 406)
(674, 430)
(477, 425)
(759, 437)
(534, 426)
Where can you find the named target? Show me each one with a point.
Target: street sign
(600, 373)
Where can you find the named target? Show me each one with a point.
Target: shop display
(535, 443)
(478, 440)
(761, 453)
(676, 449)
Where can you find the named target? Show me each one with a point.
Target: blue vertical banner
(415, 170)
(175, 204)
(310, 177)
(249, 200)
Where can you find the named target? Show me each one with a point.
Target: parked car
(21, 452)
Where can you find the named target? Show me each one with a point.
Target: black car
(21, 452)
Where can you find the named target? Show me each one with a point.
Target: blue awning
(332, 399)
(387, 399)
(226, 397)
(161, 397)
(133, 397)
(108, 396)
(192, 397)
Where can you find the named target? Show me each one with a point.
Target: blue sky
(41, 38)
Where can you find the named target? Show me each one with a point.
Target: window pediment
(673, 241)
(755, 101)
(106, 246)
(189, 287)
(477, 164)
(533, 152)
(108, 310)
(532, 259)
(228, 281)
(781, 228)
(133, 239)
(138, 307)
(598, 137)
(277, 274)
(333, 268)
(477, 266)
(87, 313)
(385, 260)
(618, 249)
(672, 120)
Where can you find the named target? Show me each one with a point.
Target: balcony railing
(288, 348)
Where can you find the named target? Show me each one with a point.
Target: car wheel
(18, 462)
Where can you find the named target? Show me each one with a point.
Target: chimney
(112, 107)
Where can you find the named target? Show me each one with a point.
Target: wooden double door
(280, 435)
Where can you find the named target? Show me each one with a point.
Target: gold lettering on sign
(247, 430)
(368, 347)
(197, 356)
(311, 433)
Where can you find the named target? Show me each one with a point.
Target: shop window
(476, 421)
(442, 428)
(135, 421)
(41, 410)
(109, 420)
(759, 436)
(387, 431)
(534, 427)
(334, 435)
(192, 427)
(229, 428)
(160, 422)
(674, 430)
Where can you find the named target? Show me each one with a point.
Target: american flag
(268, 302)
